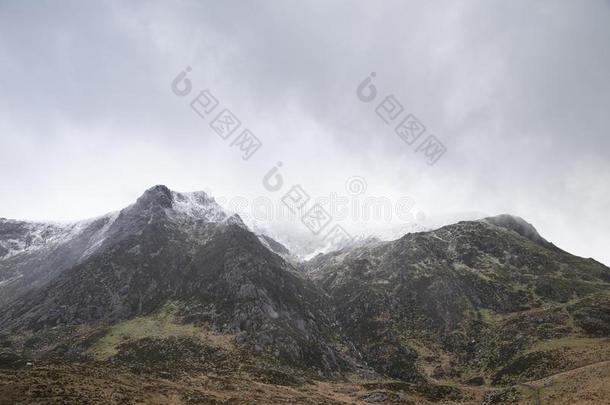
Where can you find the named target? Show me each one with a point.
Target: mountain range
(173, 300)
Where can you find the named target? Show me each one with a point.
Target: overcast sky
(517, 91)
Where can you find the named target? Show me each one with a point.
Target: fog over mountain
(517, 92)
(312, 202)
(175, 288)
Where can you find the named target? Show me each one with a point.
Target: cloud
(517, 92)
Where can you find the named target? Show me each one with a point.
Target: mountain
(31, 254)
(175, 289)
(303, 245)
(471, 298)
(183, 249)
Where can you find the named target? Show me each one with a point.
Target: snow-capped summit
(34, 252)
(194, 205)
(198, 205)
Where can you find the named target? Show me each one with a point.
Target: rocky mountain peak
(195, 205)
(521, 227)
(198, 205)
(158, 195)
(475, 301)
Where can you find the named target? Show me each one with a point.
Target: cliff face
(159, 284)
(208, 265)
(465, 300)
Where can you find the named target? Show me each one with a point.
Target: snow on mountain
(304, 245)
(19, 237)
(32, 253)
(197, 205)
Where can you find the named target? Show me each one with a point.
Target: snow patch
(100, 236)
(34, 236)
(197, 205)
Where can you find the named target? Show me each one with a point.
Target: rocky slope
(175, 248)
(172, 287)
(467, 302)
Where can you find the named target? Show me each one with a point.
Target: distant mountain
(173, 285)
(463, 296)
(304, 245)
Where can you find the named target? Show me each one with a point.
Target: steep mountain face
(522, 228)
(459, 300)
(172, 247)
(31, 254)
(174, 284)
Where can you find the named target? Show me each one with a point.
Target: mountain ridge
(472, 301)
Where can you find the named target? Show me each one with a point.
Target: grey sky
(519, 93)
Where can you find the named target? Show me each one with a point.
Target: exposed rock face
(184, 248)
(431, 292)
(471, 302)
(32, 254)
(523, 228)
